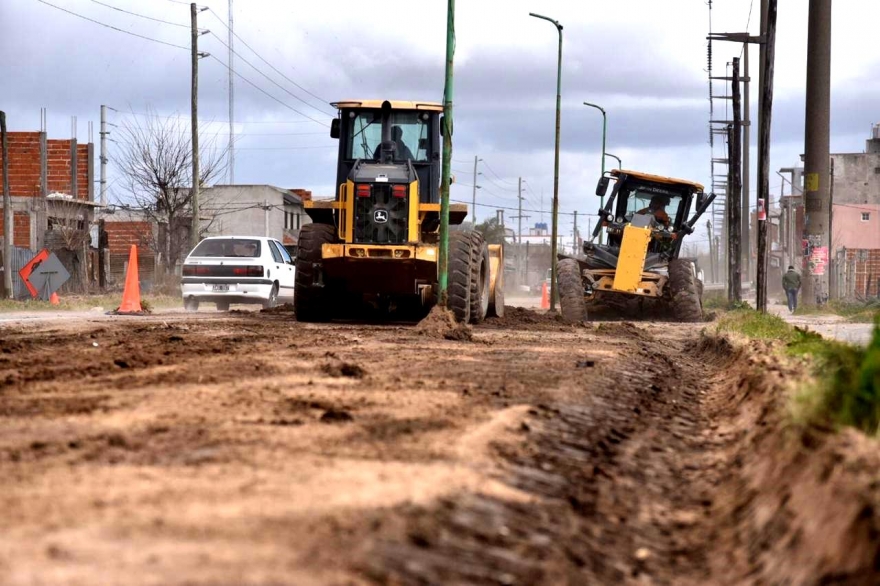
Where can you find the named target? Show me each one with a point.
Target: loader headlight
(610, 218)
(619, 220)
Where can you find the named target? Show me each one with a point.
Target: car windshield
(408, 131)
(228, 247)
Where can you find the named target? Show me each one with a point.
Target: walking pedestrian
(791, 282)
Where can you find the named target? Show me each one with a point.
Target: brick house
(51, 184)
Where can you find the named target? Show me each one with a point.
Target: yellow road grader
(375, 247)
(638, 269)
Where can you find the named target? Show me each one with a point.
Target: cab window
(409, 131)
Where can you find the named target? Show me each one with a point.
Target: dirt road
(250, 449)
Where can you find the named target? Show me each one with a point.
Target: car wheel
(273, 297)
(191, 304)
(222, 306)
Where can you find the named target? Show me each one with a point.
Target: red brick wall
(82, 171)
(21, 228)
(866, 272)
(59, 165)
(24, 163)
(121, 235)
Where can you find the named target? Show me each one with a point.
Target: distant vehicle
(237, 269)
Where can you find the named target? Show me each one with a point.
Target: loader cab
(391, 138)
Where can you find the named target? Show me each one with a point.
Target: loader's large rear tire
(684, 286)
(312, 299)
(479, 278)
(458, 287)
(571, 291)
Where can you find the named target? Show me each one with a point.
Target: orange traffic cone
(53, 299)
(545, 297)
(131, 295)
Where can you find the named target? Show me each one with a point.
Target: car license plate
(221, 287)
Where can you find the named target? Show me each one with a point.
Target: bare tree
(154, 158)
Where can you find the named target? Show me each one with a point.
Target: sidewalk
(829, 326)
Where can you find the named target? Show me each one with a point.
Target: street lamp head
(548, 19)
(600, 108)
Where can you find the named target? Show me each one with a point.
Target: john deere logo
(380, 216)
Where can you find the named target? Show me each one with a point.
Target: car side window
(283, 252)
(275, 254)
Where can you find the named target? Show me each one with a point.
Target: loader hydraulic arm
(688, 227)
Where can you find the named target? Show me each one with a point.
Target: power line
(113, 27)
(255, 68)
(141, 15)
(186, 116)
(496, 174)
(264, 61)
(258, 88)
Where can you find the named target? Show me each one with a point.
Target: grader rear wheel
(312, 300)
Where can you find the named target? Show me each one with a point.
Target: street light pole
(555, 215)
(619, 162)
(604, 130)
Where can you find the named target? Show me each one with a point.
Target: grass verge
(107, 302)
(853, 311)
(845, 387)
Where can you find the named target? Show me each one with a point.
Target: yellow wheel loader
(638, 269)
(375, 247)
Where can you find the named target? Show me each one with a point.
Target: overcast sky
(644, 61)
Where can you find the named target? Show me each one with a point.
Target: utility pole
(443, 260)
(474, 185)
(746, 164)
(734, 198)
(575, 235)
(7, 213)
(519, 219)
(103, 134)
(194, 105)
(231, 159)
(817, 202)
(768, 48)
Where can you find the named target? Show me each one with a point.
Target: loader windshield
(408, 130)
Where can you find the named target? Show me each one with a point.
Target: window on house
(866, 216)
(291, 221)
(876, 170)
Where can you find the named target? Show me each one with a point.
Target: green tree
(492, 231)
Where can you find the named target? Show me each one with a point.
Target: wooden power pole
(766, 104)
(734, 194)
(817, 191)
(7, 213)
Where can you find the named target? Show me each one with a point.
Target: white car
(237, 269)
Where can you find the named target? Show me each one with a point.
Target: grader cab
(375, 247)
(639, 266)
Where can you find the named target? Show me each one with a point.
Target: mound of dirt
(344, 369)
(284, 308)
(440, 323)
(519, 317)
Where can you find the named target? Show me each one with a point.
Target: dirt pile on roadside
(804, 506)
(520, 317)
(284, 308)
(441, 323)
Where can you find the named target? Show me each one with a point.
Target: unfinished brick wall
(24, 163)
(864, 266)
(121, 235)
(21, 228)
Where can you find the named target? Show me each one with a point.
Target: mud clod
(336, 416)
(344, 369)
(441, 323)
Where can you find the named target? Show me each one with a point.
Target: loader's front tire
(571, 291)
(312, 300)
(458, 289)
(684, 287)
(479, 278)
